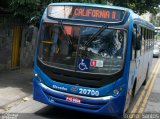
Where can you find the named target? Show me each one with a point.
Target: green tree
(139, 6)
(4, 4)
(34, 8)
(25, 9)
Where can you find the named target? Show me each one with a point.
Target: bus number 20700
(88, 92)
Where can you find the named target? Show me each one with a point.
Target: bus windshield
(82, 48)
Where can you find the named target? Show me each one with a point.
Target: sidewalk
(15, 85)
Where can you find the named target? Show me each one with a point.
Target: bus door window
(139, 41)
(136, 42)
(151, 35)
(146, 40)
(143, 41)
(152, 40)
(149, 39)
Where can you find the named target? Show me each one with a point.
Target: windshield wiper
(95, 35)
(66, 36)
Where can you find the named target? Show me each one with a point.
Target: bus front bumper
(108, 105)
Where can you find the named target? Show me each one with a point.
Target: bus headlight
(37, 77)
(116, 92)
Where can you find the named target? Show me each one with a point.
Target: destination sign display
(86, 13)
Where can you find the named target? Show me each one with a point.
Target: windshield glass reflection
(68, 46)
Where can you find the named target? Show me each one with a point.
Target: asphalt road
(146, 101)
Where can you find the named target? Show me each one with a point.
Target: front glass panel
(82, 48)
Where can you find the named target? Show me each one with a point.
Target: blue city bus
(91, 58)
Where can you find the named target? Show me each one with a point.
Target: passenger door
(138, 57)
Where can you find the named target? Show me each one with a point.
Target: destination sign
(86, 13)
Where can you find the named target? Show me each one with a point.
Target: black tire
(132, 96)
(146, 78)
(134, 89)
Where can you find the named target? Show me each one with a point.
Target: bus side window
(143, 41)
(133, 51)
(139, 41)
(136, 42)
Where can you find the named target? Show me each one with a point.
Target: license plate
(73, 99)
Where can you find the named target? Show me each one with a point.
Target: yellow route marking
(144, 91)
(148, 92)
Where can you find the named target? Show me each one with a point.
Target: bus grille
(83, 104)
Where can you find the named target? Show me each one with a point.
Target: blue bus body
(105, 98)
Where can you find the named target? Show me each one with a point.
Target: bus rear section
(80, 59)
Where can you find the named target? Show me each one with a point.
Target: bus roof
(92, 5)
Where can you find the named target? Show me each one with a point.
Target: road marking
(144, 102)
(144, 90)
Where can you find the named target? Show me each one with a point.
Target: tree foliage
(142, 6)
(34, 8)
(25, 8)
